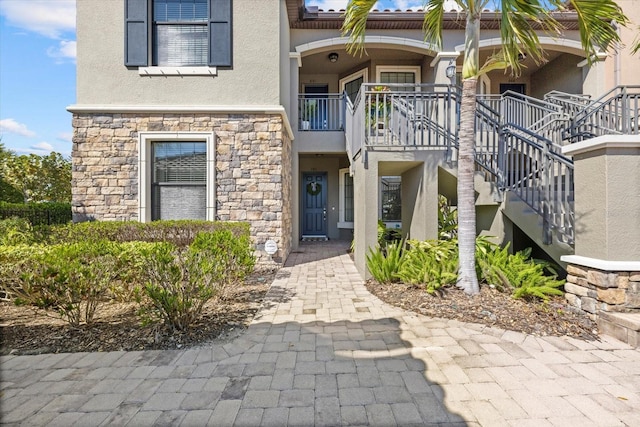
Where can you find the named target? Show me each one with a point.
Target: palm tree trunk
(467, 278)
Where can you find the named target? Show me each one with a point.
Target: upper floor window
(403, 78)
(178, 33)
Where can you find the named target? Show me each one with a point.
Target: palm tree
(518, 19)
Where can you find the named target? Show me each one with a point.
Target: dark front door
(314, 204)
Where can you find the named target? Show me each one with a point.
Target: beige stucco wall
(561, 74)
(622, 68)
(607, 197)
(102, 78)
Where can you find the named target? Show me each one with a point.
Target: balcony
(321, 112)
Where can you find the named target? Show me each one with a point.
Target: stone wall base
(593, 291)
(252, 177)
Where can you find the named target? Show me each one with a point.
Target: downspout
(617, 60)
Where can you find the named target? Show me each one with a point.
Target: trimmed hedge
(179, 233)
(37, 213)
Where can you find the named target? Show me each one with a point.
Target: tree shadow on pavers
(344, 373)
(316, 251)
(276, 295)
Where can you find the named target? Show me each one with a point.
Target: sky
(38, 70)
(37, 75)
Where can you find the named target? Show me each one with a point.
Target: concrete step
(621, 326)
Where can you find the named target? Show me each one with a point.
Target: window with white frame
(176, 175)
(346, 204)
(399, 74)
(178, 33)
(179, 184)
(351, 84)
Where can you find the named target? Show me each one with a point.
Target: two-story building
(254, 111)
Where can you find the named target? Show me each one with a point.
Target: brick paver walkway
(324, 351)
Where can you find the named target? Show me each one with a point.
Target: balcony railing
(321, 112)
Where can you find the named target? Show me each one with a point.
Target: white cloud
(65, 136)
(42, 146)
(11, 126)
(66, 50)
(50, 18)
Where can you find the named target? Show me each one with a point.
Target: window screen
(179, 180)
(399, 77)
(353, 87)
(180, 33)
(348, 197)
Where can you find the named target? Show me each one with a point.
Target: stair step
(621, 326)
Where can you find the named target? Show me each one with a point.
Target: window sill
(345, 225)
(177, 71)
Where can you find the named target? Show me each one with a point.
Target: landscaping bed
(26, 330)
(492, 308)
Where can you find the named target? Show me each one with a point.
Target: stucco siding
(103, 78)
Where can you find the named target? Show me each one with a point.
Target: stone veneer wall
(253, 172)
(592, 290)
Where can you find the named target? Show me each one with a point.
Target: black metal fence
(38, 214)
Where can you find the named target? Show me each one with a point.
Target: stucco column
(593, 76)
(607, 197)
(295, 62)
(365, 194)
(440, 64)
(420, 201)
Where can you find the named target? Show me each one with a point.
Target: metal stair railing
(517, 141)
(616, 112)
(541, 177)
(524, 159)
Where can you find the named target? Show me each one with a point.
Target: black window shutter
(220, 33)
(136, 33)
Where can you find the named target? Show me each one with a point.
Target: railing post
(546, 195)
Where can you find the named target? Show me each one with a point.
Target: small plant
(70, 279)
(387, 235)
(180, 281)
(15, 231)
(433, 264)
(519, 274)
(384, 265)
(447, 219)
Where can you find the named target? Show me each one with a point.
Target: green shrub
(433, 264)
(447, 219)
(387, 235)
(70, 279)
(519, 274)
(15, 231)
(234, 259)
(181, 280)
(385, 264)
(180, 233)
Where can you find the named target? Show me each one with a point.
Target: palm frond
(518, 33)
(594, 20)
(432, 24)
(355, 24)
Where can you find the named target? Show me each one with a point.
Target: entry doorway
(513, 87)
(314, 205)
(315, 107)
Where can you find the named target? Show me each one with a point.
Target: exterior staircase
(519, 160)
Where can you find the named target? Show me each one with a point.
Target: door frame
(325, 195)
